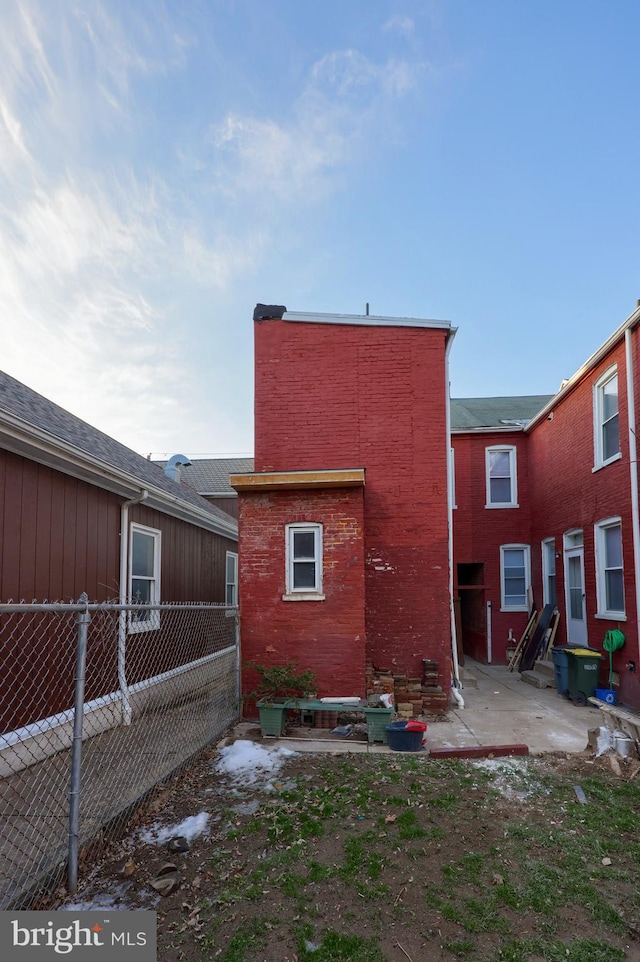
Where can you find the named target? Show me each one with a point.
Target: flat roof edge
(366, 320)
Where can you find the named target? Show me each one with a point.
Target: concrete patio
(499, 709)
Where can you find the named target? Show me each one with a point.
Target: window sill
(304, 596)
(605, 464)
(610, 616)
(523, 608)
(492, 506)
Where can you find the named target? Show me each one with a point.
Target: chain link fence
(98, 704)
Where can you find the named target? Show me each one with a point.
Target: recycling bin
(584, 669)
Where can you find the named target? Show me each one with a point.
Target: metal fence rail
(98, 704)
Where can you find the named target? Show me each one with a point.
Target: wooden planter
(272, 718)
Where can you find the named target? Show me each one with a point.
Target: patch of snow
(189, 827)
(251, 764)
(511, 777)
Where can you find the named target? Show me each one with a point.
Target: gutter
(633, 469)
(456, 684)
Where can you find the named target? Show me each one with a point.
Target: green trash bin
(584, 671)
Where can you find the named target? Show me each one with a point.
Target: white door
(575, 596)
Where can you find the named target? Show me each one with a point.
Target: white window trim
(526, 549)
(153, 623)
(303, 594)
(548, 543)
(452, 476)
(227, 583)
(509, 449)
(601, 589)
(598, 413)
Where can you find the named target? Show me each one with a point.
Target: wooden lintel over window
(283, 480)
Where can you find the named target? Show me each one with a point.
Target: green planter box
(377, 721)
(272, 718)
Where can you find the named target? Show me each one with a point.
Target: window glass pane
(230, 599)
(304, 544)
(499, 464)
(575, 603)
(613, 547)
(142, 555)
(610, 438)
(304, 574)
(610, 399)
(500, 490)
(551, 590)
(514, 558)
(615, 590)
(231, 567)
(141, 590)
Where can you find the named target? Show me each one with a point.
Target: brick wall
(326, 636)
(337, 396)
(568, 494)
(479, 531)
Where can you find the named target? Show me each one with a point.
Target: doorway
(473, 611)
(575, 598)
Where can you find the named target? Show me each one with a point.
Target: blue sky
(164, 166)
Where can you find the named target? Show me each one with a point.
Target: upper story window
(144, 577)
(304, 562)
(502, 486)
(515, 576)
(231, 579)
(549, 571)
(605, 415)
(609, 569)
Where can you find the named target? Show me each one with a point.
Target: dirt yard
(396, 857)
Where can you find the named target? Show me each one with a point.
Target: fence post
(82, 619)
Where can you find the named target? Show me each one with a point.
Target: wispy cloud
(111, 223)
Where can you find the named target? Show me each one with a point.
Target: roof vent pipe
(173, 465)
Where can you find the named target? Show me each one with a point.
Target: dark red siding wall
(326, 636)
(478, 532)
(58, 536)
(569, 494)
(337, 396)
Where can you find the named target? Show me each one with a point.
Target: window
(515, 576)
(606, 429)
(144, 577)
(231, 582)
(609, 570)
(452, 476)
(501, 477)
(304, 562)
(549, 571)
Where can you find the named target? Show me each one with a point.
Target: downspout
(122, 616)
(456, 684)
(633, 468)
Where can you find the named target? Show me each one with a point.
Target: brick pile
(412, 696)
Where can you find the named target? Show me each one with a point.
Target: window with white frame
(144, 577)
(515, 576)
(605, 413)
(502, 488)
(609, 568)
(304, 560)
(231, 579)
(549, 571)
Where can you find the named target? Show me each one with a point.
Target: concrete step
(467, 678)
(543, 675)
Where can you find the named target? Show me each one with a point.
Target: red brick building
(353, 553)
(546, 490)
(344, 524)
